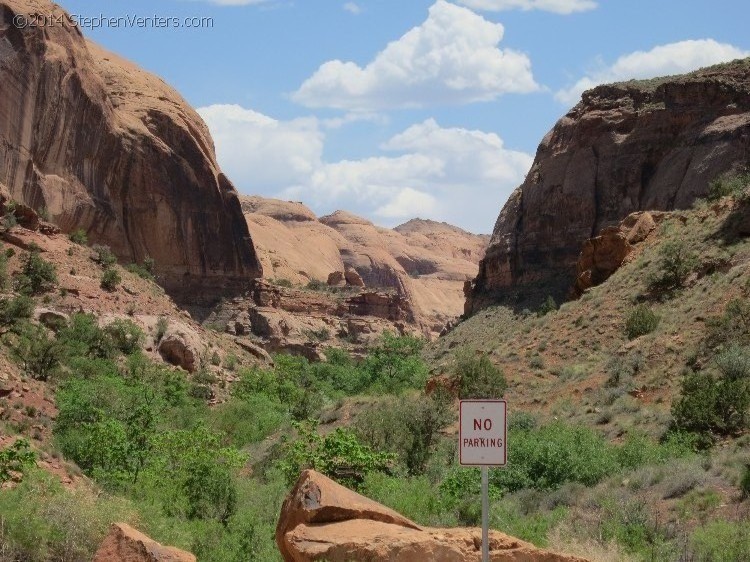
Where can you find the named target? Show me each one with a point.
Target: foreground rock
(106, 147)
(322, 520)
(648, 145)
(125, 544)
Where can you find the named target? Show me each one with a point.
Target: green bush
(104, 256)
(479, 378)
(4, 279)
(732, 327)
(549, 305)
(416, 498)
(675, 262)
(395, 364)
(728, 184)
(162, 325)
(317, 285)
(38, 352)
(143, 271)
(83, 337)
(15, 310)
(249, 420)
(37, 275)
(640, 321)
(110, 279)
(721, 541)
(16, 458)
(125, 335)
(79, 237)
(408, 427)
(338, 455)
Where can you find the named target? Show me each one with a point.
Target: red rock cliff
(639, 145)
(107, 147)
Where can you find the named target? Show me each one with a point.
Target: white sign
(482, 433)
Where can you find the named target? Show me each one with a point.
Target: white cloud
(261, 152)
(353, 8)
(451, 58)
(556, 6)
(458, 175)
(234, 2)
(672, 58)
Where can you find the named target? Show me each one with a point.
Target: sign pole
(485, 514)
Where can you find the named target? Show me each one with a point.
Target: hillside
(426, 262)
(626, 147)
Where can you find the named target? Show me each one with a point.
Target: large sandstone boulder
(322, 520)
(125, 544)
(181, 346)
(109, 148)
(648, 145)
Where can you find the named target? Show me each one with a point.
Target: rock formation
(426, 262)
(322, 520)
(108, 148)
(639, 145)
(125, 544)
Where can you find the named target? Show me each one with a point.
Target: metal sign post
(482, 442)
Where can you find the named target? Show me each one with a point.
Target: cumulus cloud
(451, 58)
(261, 152)
(353, 8)
(672, 58)
(556, 6)
(458, 175)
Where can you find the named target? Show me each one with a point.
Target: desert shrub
(144, 271)
(126, 336)
(38, 352)
(104, 256)
(249, 420)
(416, 498)
(317, 285)
(83, 337)
(549, 305)
(675, 261)
(408, 427)
(281, 283)
(728, 184)
(745, 482)
(4, 279)
(734, 363)
(111, 278)
(520, 420)
(339, 455)
(733, 326)
(79, 237)
(42, 521)
(633, 525)
(479, 378)
(16, 309)
(162, 325)
(37, 274)
(711, 405)
(721, 541)
(640, 321)
(16, 458)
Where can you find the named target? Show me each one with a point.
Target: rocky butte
(104, 146)
(626, 147)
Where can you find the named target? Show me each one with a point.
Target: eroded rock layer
(627, 147)
(106, 147)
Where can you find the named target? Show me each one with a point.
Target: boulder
(52, 319)
(353, 278)
(181, 346)
(601, 257)
(322, 520)
(336, 279)
(125, 544)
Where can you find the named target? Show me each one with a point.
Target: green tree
(37, 275)
(16, 458)
(479, 377)
(394, 363)
(640, 321)
(110, 279)
(675, 262)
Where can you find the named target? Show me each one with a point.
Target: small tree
(549, 305)
(676, 262)
(79, 237)
(110, 279)
(104, 256)
(479, 378)
(16, 458)
(37, 274)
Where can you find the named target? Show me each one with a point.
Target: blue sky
(401, 108)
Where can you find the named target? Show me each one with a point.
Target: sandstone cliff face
(109, 148)
(426, 262)
(322, 520)
(640, 145)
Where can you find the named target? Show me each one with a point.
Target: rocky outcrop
(604, 254)
(322, 520)
(302, 321)
(425, 262)
(125, 544)
(650, 145)
(181, 346)
(108, 148)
